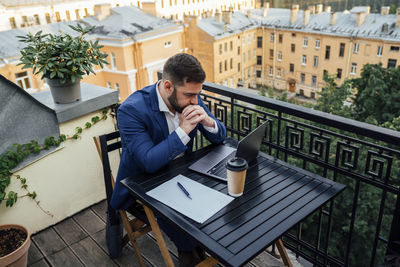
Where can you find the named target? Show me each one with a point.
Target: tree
(378, 94)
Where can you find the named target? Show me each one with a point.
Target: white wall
(66, 181)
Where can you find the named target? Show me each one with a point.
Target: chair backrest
(105, 144)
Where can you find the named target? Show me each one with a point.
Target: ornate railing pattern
(356, 227)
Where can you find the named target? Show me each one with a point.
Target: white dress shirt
(173, 120)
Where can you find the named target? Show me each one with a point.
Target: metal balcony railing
(360, 226)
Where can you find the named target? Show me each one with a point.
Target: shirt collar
(161, 104)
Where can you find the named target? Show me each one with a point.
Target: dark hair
(182, 68)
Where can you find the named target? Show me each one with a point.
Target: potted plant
(62, 60)
(14, 245)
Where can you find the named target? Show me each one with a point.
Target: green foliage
(18, 152)
(378, 94)
(61, 56)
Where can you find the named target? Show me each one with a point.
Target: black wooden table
(276, 197)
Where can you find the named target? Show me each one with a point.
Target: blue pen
(183, 189)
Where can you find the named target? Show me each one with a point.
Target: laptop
(213, 164)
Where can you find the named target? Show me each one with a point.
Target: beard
(173, 101)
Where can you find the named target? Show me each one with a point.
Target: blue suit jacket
(146, 143)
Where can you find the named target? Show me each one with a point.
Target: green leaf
(52, 75)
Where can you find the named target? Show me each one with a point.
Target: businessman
(158, 124)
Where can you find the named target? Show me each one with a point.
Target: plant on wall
(18, 152)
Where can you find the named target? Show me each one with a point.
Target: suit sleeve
(218, 137)
(135, 134)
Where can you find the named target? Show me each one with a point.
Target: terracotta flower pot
(19, 257)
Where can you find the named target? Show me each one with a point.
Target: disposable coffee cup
(236, 172)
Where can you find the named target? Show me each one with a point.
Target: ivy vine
(18, 152)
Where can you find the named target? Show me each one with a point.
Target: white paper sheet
(205, 201)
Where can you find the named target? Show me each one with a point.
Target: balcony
(358, 228)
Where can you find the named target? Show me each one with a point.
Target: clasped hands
(191, 116)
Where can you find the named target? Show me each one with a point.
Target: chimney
(217, 16)
(385, 10)
(248, 13)
(293, 15)
(297, 7)
(227, 17)
(266, 4)
(265, 12)
(306, 17)
(333, 18)
(360, 19)
(398, 17)
(328, 9)
(312, 9)
(101, 11)
(320, 8)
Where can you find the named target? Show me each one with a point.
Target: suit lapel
(158, 115)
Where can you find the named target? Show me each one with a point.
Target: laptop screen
(250, 145)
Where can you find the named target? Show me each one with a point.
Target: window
(303, 60)
(58, 17)
(325, 73)
(271, 37)
(291, 67)
(341, 50)
(312, 95)
(225, 65)
(379, 51)
(23, 80)
(77, 15)
(394, 48)
(279, 55)
(259, 60)
(271, 53)
(305, 42)
(392, 63)
(231, 45)
(113, 61)
(225, 46)
(238, 66)
(339, 74)
(108, 85)
(353, 69)
(249, 39)
(248, 72)
(327, 52)
(355, 48)
(248, 55)
(278, 73)
(302, 78)
(48, 19)
(220, 67)
(315, 61)
(86, 13)
(117, 86)
(244, 57)
(293, 35)
(254, 53)
(271, 71)
(231, 63)
(37, 20)
(280, 38)
(317, 43)
(167, 44)
(259, 42)
(13, 24)
(220, 49)
(314, 80)
(238, 50)
(293, 48)
(258, 73)
(301, 92)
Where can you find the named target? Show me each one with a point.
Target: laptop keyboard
(220, 168)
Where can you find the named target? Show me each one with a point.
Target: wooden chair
(135, 227)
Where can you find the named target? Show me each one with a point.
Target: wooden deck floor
(80, 241)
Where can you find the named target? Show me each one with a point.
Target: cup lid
(236, 164)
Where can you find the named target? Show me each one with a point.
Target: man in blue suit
(158, 124)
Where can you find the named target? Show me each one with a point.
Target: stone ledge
(93, 98)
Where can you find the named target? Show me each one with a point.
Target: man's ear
(168, 87)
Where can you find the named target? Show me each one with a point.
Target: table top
(276, 197)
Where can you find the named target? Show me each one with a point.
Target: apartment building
(177, 9)
(294, 48)
(138, 44)
(226, 46)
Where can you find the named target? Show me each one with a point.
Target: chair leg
(210, 261)
(132, 239)
(160, 239)
(282, 251)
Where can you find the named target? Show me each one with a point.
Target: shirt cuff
(212, 130)
(182, 135)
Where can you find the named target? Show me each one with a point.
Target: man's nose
(194, 100)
